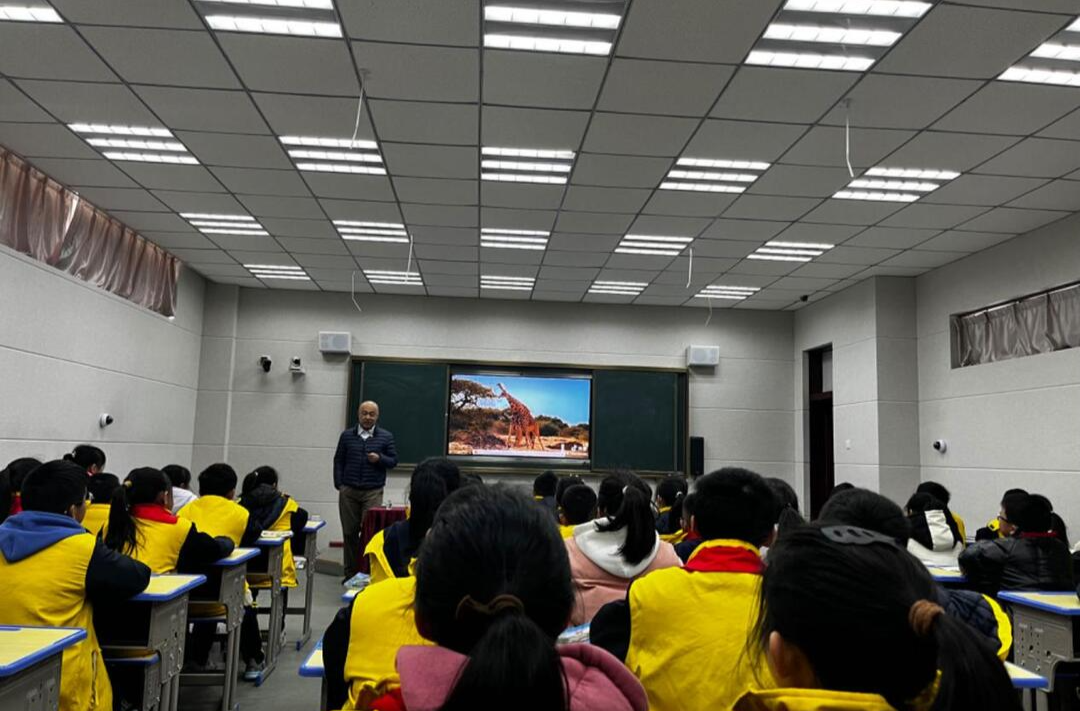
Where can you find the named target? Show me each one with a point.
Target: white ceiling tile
(361, 210)
(856, 255)
(452, 292)
(344, 286)
(668, 88)
(805, 232)
(978, 43)
(690, 204)
(796, 284)
(620, 171)
(247, 282)
(452, 253)
(761, 305)
(760, 207)
(151, 221)
(1010, 108)
(533, 128)
(636, 261)
(753, 267)
(541, 79)
(173, 177)
(426, 122)
(827, 271)
(122, 199)
(513, 218)
(566, 296)
(235, 151)
(384, 263)
(1066, 127)
(415, 21)
(338, 274)
(700, 31)
(437, 192)
(925, 215)
(329, 261)
(568, 273)
(292, 285)
(72, 102)
(350, 187)
(300, 245)
(291, 64)
(884, 101)
(309, 229)
(731, 249)
(1056, 195)
(582, 243)
(891, 272)
(544, 197)
(441, 215)
(744, 230)
(402, 71)
(743, 140)
(74, 173)
(952, 151)
(426, 161)
(852, 212)
(662, 225)
(246, 243)
(575, 259)
(197, 257)
(634, 134)
(607, 299)
(134, 13)
(263, 206)
(923, 260)
(800, 181)
(1039, 157)
(409, 290)
(15, 106)
(788, 95)
(593, 222)
(48, 51)
(431, 266)
(294, 114)
(825, 145)
(510, 256)
(957, 241)
(891, 237)
(644, 300)
(987, 190)
(457, 280)
(1012, 221)
(462, 236)
(203, 109)
(252, 181)
(169, 57)
(178, 240)
(1065, 6)
(588, 199)
(42, 140)
(379, 250)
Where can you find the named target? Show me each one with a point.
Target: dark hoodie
(265, 504)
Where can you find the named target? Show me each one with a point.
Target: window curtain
(1064, 317)
(42, 219)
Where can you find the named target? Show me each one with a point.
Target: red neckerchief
(16, 503)
(692, 536)
(724, 559)
(1037, 534)
(390, 701)
(153, 512)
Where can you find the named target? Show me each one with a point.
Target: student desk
(224, 586)
(268, 564)
(948, 577)
(1026, 684)
(155, 620)
(1045, 631)
(310, 555)
(312, 667)
(349, 595)
(30, 666)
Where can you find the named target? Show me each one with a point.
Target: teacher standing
(364, 454)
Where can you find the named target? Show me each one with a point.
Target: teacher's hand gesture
(373, 457)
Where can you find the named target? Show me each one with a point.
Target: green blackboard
(412, 403)
(638, 420)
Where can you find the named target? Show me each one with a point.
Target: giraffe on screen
(523, 426)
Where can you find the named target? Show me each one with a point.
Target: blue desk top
(312, 526)
(313, 665)
(1066, 604)
(1024, 679)
(276, 540)
(23, 647)
(946, 575)
(163, 588)
(348, 595)
(238, 556)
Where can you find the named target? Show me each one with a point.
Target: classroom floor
(285, 689)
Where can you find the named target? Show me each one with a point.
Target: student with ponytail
(102, 488)
(89, 457)
(493, 592)
(142, 526)
(273, 510)
(669, 496)
(16, 472)
(849, 620)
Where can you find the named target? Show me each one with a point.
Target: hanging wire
(847, 137)
(690, 269)
(353, 292)
(359, 110)
(709, 300)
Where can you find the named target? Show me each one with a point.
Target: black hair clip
(855, 536)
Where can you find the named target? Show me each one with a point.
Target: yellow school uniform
(673, 538)
(383, 621)
(810, 700)
(49, 589)
(960, 526)
(378, 564)
(218, 517)
(696, 660)
(97, 519)
(566, 531)
(288, 563)
(158, 542)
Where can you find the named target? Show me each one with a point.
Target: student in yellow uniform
(848, 620)
(102, 488)
(16, 472)
(392, 550)
(669, 492)
(273, 510)
(87, 456)
(54, 572)
(682, 631)
(576, 506)
(142, 526)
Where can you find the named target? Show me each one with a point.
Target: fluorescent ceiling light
(778, 257)
(113, 129)
(273, 26)
(504, 287)
(648, 252)
(528, 153)
(309, 4)
(520, 165)
(524, 178)
(1041, 76)
(809, 60)
(917, 173)
(614, 292)
(800, 245)
(658, 238)
(702, 187)
(375, 238)
(29, 13)
(882, 8)
(733, 293)
(522, 233)
(1074, 27)
(547, 44)
(286, 277)
(322, 142)
(507, 279)
(635, 284)
(497, 244)
(151, 157)
(366, 223)
(707, 175)
(785, 250)
(876, 196)
(371, 231)
(513, 238)
(832, 35)
(213, 216)
(137, 144)
(233, 231)
(336, 155)
(721, 163)
(224, 223)
(341, 168)
(1052, 50)
(896, 185)
(274, 267)
(554, 18)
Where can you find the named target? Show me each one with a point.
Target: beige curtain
(41, 218)
(1064, 317)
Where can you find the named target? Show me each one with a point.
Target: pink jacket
(596, 680)
(601, 575)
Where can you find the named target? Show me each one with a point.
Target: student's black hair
(788, 501)
(827, 598)
(178, 475)
(86, 456)
(102, 487)
(671, 489)
(921, 502)
(427, 491)
(546, 484)
(261, 475)
(1030, 513)
(686, 510)
(842, 486)
(936, 490)
(1012, 494)
(447, 470)
(142, 486)
(867, 509)
(736, 504)
(565, 483)
(579, 504)
(217, 480)
(1057, 524)
(470, 479)
(626, 502)
(493, 582)
(54, 487)
(5, 494)
(18, 469)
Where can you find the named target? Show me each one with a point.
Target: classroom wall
(70, 352)
(1015, 423)
(742, 408)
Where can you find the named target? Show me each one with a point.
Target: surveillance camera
(265, 362)
(296, 366)
(940, 446)
(804, 298)
(105, 420)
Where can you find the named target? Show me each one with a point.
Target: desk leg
(311, 554)
(232, 653)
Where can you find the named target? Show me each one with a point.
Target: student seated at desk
(180, 477)
(788, 515)
(274, 510)
(943, 495)
(992, 529)
(565, 483)
(577, 506)
(1031, 557)
(54, 572)
(142, 526)
(102, 488)
(691, 537)
(682, 631)
(867, 509)
(493, 592)
(622, 545)
(391, 551)
(1057, 524)
(847, 620)
(89, 457)
(935, 535)
(669, 492)
(544, 488)
(16, 473)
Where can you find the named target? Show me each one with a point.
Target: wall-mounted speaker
(335, 342)
(697, 457)
(703, 356)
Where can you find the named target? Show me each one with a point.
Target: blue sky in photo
(565, 398)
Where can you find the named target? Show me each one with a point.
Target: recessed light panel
(221, 224)
(728, 293)
(618, 288)
(28, 13)
(654, 245)
(391, 277)
(498, 238)
(141, 144)
(364, 231)
(559, 26)
(713, 175)
(526, 165)
(301, 18)
(895, 184)
(506, 283)
(1056, 61)
(278, 272)
(784, 251)
(326, 154)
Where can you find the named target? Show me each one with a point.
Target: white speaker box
(703, 356)
(335, 342)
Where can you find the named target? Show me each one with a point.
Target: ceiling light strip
(809, 60)
(340, 168)
(324, 142)
(151, 157)
(273, 26)
(552, 18)
(701, 187)
(119, 130)
(29, 13)
(524, 178)
(910, 9)
(539, 43)
(553, 154)
(832, 35)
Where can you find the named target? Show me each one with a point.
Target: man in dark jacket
(364, 454)
(1030, 558)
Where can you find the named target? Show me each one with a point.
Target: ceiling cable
(690, 270)
(359, 109)
(847, 137)
(353, 293)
